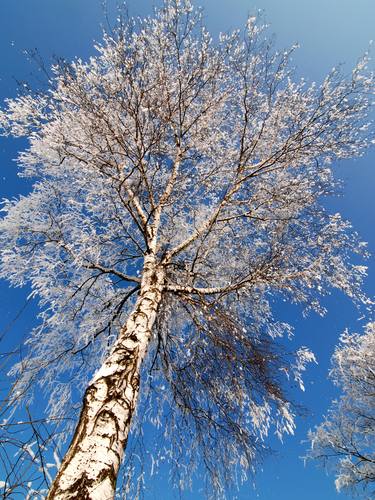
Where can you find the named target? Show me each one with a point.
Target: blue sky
(329, 32)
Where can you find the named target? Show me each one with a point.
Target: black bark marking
(80, 488)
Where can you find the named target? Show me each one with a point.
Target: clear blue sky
(329, 31)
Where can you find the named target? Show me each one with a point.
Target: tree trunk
(90, 467)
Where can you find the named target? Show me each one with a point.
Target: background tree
(178, 188)
(346, 438)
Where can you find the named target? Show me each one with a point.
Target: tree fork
(90, 467)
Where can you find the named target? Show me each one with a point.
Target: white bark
(90, 467)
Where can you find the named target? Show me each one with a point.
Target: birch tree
(177, 194)
(345, 440)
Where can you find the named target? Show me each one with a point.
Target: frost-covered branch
(345, 440)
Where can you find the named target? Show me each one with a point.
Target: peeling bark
(90, 467)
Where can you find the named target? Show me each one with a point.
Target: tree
(346, 437)
(178, 190)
